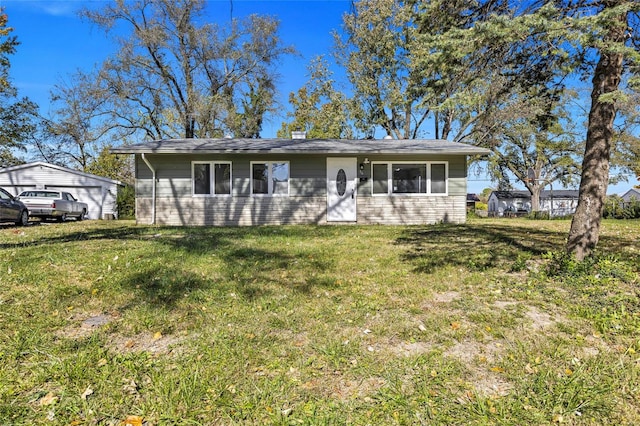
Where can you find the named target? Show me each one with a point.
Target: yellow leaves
(497, 369)
(133, 421)
(455, 325)
(157, 335)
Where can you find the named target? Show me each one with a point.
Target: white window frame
(212, 178)
(270, 178)
(428, 193)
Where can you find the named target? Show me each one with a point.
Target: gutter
(153, 189)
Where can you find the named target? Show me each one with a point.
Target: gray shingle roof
(301, 146)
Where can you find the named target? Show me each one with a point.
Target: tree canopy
(17, 116)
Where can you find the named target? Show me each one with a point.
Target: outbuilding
(224, 182)
(98, 192)
(558, 203)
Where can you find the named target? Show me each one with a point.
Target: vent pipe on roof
(298, 135)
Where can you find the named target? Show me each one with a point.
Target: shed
(561, 202)
(294, 181)
(98, 192)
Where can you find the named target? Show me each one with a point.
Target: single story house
(560, 202)
(98, 192)
(228, 181)
(631, 195)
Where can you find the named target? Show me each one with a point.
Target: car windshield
(40, 194)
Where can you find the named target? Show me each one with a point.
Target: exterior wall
(99, 194)
(562, 206)
(497, 206)
(307, 202)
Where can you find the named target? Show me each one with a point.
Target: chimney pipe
(298, 135)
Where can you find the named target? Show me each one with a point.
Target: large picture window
(211, 178)
(409, 178)
(270, 178)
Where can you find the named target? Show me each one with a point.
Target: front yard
(483, 323)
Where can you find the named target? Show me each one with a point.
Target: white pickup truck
(50, 204)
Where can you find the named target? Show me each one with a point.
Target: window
(270, 178)
(409, 178)
(211, 178)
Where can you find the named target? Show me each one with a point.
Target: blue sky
(55, 42)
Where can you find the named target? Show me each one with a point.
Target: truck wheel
(62, 218)
(81, 217)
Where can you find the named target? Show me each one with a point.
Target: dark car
(12, 210)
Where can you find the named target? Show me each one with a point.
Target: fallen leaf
(455, 325)
(102, 362)
(497, 369)
(86, 393)
(133, 421)
(422, 327)
(130, 387)
(48, 399)
(157, 335)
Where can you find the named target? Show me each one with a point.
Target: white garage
(98, 192)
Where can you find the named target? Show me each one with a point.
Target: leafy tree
(318, 107)
(374, 48)
(540, 44)
(534, 142)
(610, 39)
(80, 124)
(17, 116)
(175, 77)
(117, 167)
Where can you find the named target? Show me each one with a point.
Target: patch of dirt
(539, 320)
(479, 358)
(446, 297)
(147, 342)
(410, 349)
(345, 389)
(85, 324)
(503, 304)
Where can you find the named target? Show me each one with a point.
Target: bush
(126, 202)
(616, 208)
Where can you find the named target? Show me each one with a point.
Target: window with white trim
(408, 178)
(270, 178)
(211, 178)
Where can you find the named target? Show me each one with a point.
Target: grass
(483, 323)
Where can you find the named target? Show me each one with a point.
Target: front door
(341, 189)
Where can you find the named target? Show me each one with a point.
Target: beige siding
(228, 211)
(307, 204)
(411, 210)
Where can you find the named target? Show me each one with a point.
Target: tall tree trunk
(535, 197)
(585, 226)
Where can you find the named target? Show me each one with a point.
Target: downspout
(153, 189)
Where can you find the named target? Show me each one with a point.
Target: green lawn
(483, 323)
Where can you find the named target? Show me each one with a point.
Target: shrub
(126, 202)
